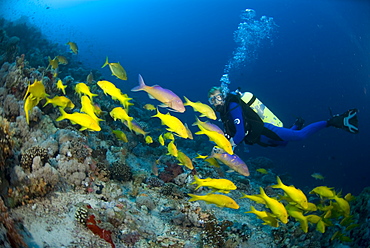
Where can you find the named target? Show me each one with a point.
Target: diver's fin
(347, 121)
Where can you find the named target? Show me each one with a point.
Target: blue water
(319, 57)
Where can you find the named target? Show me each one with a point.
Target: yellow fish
(190, 135)
(165, 96)
(121, 114)
(217, 199)
(213, 162)
(343, 205)
(36, 91)
(295, 194)
(116, 69)
(173, 123)
(262, 171)
(297, 214)
(219, 185)
(61, 86)
(204, 109)
(88, 108)
(169, 136)
(323, 191)
(318, 176)
(265, 216)
(73, 47)
(115, 93)
(276, 207)
(208, 126)
(184, 160)
(29, 104)
(220, 140)
(60, 101)
(172, 149)
(149, 106)
(136, 127)
(256, 198)
(62, 60)
(120, 135)
(161, 140)
(84, 120)
(148, 139)
(53, 63)
(82, 88)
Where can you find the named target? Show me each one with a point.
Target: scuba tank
(264, 113)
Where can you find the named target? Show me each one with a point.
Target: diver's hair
(213, 89)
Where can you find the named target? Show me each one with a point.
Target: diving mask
(216, 100)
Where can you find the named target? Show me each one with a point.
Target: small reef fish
(168, 136)
(343, 205)
(53, 63)
(165, 96)
(233, 161)
(172, 149)
(120, 135)
(184, 160)
(29, 104)
(90, 78)
(208, 126)
(323, 191)
(295, 194)
(73, 47)
(173, 123)
(115, 93)
(36, 91)
(116, 69)
(61, 86)
(262, 171)
(136, 127)
(84, 120)
(121, 114)
(219, 185)
(204, 109)
(60, 101)
(213, 162)
(82, 88)
(256, 198)
(220, 140)
(88, 108)
(318, 176)
(149, 107)
(201, 156)
(161, 140)
(148, 139)
(297, 214)
(62, 60)
(217, 199)
(276, 207)
(190, 135)
(265, 216)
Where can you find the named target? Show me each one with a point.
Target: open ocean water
(317, 57)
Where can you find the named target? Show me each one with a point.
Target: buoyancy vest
(253, 124)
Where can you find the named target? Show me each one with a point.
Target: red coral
(171, 171)
(104, 234)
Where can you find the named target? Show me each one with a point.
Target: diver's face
(216, 99)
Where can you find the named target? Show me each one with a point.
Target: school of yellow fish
(293, 203)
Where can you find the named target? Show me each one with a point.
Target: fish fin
(141, 85)
(63, 116)
(106, 62)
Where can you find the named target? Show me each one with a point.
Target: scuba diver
(246, 119)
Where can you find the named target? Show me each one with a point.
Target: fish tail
(47, 101)
(63, 116)
(262, 193)
(187, 101)
(106, 62)
(193, 197)
(196, 123)
(279, 183)
(252, 211)
(141, 84)
(197, 181)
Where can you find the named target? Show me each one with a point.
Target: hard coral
(6, 142)
(120, 172)
(214, 234)
(30, 154)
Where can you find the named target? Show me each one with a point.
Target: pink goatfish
(233, 161)
(167, 97)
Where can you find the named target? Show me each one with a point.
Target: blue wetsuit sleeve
(236, 115)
